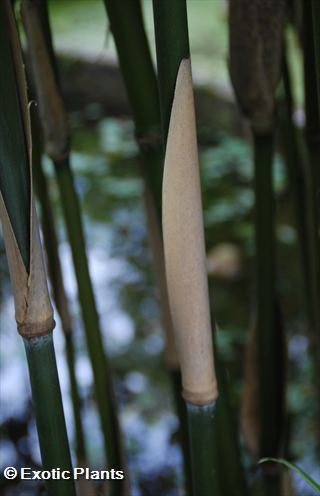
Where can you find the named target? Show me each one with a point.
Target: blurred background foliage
(106, 167)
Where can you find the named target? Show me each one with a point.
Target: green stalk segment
(202, 437)
(300, 175)
(316, 35)
(311, 53)
(103, 385)
(141, 85)
(76, 400)
(312, 100)
(228, 454)
(32, 305)
(59, 294)
(268, 338)
(256, 42)
(172, 44)
(49, 412)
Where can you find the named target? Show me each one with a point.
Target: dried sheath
(256, 31)
(52, 112)
(32, 304)
(184, 247)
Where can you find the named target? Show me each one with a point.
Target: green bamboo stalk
(228, 454)
(59, 295)
(133, 51)
(141, 85)
(50, 420)
(203, 457)
(33, 309)
(172, 44)
(270, 339)
(256, 38)
(223, 461)
(56, 137)
(311, 55)
(103, 384)
(300, 175)
(170, 353)
(265, 269)
(316, 36)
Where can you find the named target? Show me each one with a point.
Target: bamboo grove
(221, 443)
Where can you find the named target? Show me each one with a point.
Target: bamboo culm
(33, 309)
(133, 50)
(59, 294)
(56, 142)
(172, 44)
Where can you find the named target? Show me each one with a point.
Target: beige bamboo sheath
(184, 247)
(33, 309)
(32, 304)
(52, 112)
(156, 244)
(256, 30)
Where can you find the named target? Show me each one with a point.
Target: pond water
(105, 164)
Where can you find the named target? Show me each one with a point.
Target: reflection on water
(119, 260)
(110, 189)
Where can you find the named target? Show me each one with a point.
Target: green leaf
(297, 469)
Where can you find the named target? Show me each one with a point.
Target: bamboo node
(201, 398)
(30, 330)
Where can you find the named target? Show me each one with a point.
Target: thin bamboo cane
(141, 85)
(56, 137)
(310, 41)
(316, 36)
(171, 357)
(228, 454)
(255, 39)
(302, 185)
(60, 297)
(33, 309)
(184, 240)
(49, 413)
(103, 385)
(132, 47)
(256, 32)
(172, 44)
(265, 269)
(133, 51)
